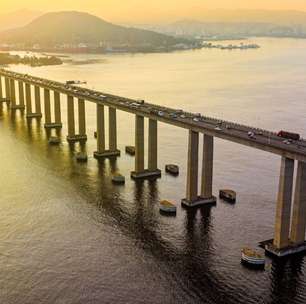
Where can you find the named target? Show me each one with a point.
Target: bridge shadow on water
(189, 265)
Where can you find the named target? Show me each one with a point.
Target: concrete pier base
(34, 115)
(17, 107)
(53, 125)
(146, 174)
(76, 138)
(200, 201)
(106, 154)
(289, 250)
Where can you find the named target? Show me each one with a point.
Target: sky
(148, 10)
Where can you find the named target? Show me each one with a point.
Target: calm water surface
(69, 236)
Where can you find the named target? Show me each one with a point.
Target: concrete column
(207, 166)
(298, 224)
(70, 117)
(21, 94)
(100, 131)
(82, 122)
(139, 144)
(57, 108)
(283, 208)
(37, 100)
(12, 93)
(112, 129)
(47, 108)
(7, 89)
(1, 91)
(28, 99)
(152, 145)
(192, 166)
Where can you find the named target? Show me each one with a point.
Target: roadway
(263, 139)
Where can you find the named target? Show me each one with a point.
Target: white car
(160, 113)
(196, 119)
(218, 129)
(251, 134)
(287, 141)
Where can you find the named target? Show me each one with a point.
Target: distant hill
(17, 18)
(72, 28)
(279, 17)
(237, 23)
(233, 29)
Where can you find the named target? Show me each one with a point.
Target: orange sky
(148, 10)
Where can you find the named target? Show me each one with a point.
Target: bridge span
(290, 221)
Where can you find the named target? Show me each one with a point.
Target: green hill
(60, 28)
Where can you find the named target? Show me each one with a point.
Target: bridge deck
(264, 140)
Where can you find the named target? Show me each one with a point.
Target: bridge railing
(208, 119)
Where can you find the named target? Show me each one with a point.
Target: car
(251, 135)
(134, 105)
(160, 113)
(287, 141)
(173, 115)
(140, 101)
(218, 128)
(182, 116)
(196, 119)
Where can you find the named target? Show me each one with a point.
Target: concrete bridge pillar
(152, 146)
(192, 169)
(72, 137)
(21, 94)
(48, 120)
(1, 90)
(112, 129)
(7, 90)
(47, 108)
(112, 151)
(283, 208)
(82, 119)
(207, 169)
(37, 102)
(139, 144)
(70, 119)
(192, 199)
(100, 132)
(298, 222)
(28, 99)
(20, 104)
(57, 109)
(12, 94)
(140, 172)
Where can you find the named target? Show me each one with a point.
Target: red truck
(288, 135)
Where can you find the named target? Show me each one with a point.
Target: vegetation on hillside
(6, 58)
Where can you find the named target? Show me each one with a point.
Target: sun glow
(136, 11)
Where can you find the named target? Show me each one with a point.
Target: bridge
(290, 219)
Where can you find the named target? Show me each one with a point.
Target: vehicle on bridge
(289, 135)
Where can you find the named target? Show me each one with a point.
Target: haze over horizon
(135, 11)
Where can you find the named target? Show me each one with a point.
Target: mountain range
(69, 28)
(236, 23)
